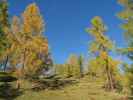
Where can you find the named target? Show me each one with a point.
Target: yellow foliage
(27, 41)
(97, 30)
(97, 66)
(73, 66)
(103, 55)
(32, 20)
(15, 26)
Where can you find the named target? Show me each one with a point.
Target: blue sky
(66, 21)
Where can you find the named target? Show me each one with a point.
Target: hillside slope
(85, 89)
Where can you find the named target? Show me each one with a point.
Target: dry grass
(85, 89)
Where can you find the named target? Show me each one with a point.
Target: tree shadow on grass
(7, 92)
(52, 84)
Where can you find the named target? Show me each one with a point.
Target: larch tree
(5, 44)
(127, 16)
(95, 68)
(15, 36)
(81, 65)
(73, 66)
(34, 44)
(101, 46)
(29, 47)
(4, 24)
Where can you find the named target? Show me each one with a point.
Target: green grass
(85, 89)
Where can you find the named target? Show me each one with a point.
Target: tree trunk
(20, 72)
(5, 63)
(23, 60)
(110, 85)
(18, 84)
(81, 71)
